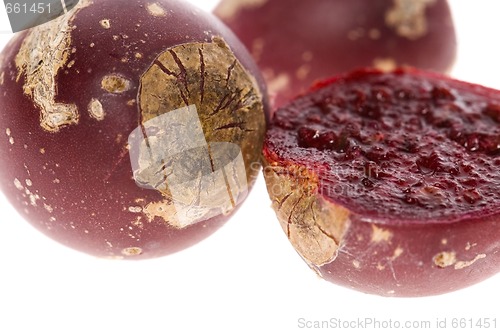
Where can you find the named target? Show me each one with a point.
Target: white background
(246, 277)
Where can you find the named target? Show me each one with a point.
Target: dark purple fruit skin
(296, 42)
(80, 176)
(397, 253)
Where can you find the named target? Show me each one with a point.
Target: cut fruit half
(389, 183)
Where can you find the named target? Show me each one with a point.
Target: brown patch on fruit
(155, 9)
(303, 71)
(276, 83)
(132, 251)
(43, 52)
(163, 209)
(115, 84)
(469, 246)
(228, 9)
(314, 226)
(198, 183)
(463, 264)
(257, 48)
(445, 259)
(18, 184)
(135, 209)
(2, 75)
(8, 132)
(407, 18)
(96, 110)
(449, 258)
(205, 79)
(177, 215)
(380, 235)
(385, 64)
(106, 24)
(397, 252)
(138, 223)
(49, 208)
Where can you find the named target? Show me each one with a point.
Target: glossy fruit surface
(296, 42)
(388, 182)
(131, 129)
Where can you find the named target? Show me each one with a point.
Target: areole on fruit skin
(408, 18)
(389, 254)
(95, 76)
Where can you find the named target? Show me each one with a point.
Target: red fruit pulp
(400, 145)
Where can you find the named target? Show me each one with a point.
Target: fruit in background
(296, 42)
(388, 183)
(131, 129)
